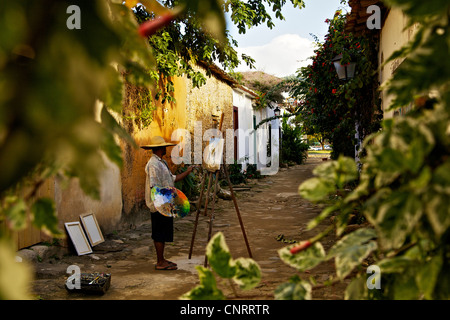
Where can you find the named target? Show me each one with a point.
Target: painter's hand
(190, 168)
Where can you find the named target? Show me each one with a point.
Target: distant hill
(253, 79)
(262, 82)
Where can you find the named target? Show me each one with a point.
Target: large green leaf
(316, 189)
(404, 287)
(395, 264)
(427, 275)
(207, 289)
(44, 216)
(16, 213)
(357, 289)
(437, 210)
(352, 249)
(340, 171)
(394, 214)
(295, 289)
(303, 260)
(219, 256)
(248, 273)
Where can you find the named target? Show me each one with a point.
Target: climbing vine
(335, 107)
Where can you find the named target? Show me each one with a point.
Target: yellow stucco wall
(215, 96)
(393, 37)
(167, 117)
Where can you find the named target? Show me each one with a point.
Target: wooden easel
(211, 215)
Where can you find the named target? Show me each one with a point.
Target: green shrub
(292, 148)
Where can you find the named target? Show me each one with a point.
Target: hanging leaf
(16, 213)
(395, 264)
(207, 289)
(44, 217)
(304, 260)
(295, 289)
(219, 256)
(248, 273)
(316, 189)
(437, 211)
(394, 217)
(351, 250)
(428, 274)
(357, 289)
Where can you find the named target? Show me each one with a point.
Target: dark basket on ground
(97, 283)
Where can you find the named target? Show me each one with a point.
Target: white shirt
(157, 174)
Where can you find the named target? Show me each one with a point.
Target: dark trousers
(162, 227)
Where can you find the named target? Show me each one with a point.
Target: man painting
(158, 174)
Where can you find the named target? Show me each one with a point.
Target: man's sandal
(168, 267)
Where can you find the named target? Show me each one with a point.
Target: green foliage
(141, 106)
(329, 177)
(44, 218)
(304, 260)
(189, 185)
(207, 289)
(236, 173)
(252, 172)
(243, 271)
(403, 192)
(238, 176)
(293, 148)
(253, 13)
(295, 289)
(219, 257)
(351, 250)
(199, 35)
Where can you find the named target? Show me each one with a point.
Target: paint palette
(170, 202)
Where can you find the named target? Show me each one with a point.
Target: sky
(285, 48)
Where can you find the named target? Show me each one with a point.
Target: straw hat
(157, 141)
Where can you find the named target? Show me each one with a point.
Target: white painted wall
(253, 145)
(243, 101)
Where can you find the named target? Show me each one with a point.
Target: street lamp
(277, 111)
(345, 72)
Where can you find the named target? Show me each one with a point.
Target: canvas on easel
(213, 156)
